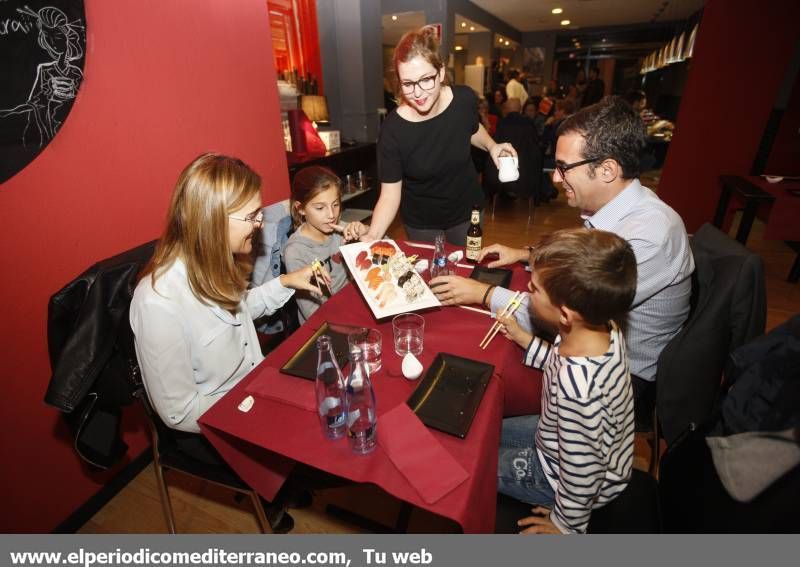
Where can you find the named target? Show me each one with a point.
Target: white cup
(509, 169)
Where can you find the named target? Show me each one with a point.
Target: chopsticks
(475, 309)
(316, 269)
(507, 311)
(417, 245)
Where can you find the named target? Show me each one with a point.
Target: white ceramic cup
(509, 169)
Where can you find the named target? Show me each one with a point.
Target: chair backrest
(268, 264)
(728, 309)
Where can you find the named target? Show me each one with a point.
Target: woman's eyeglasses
(255, 218)
(424, 84)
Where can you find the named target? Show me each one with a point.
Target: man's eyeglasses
(254, 218)
(425, 84)
(562, 168)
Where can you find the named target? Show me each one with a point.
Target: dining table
(445, 474)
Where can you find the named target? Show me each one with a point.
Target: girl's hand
(354, 231)
(512, 330)
(304, 279)
(501, 149)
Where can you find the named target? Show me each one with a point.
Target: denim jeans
(519, 473)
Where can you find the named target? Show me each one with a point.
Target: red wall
(784, 158)
(740, 57)
(164, 81)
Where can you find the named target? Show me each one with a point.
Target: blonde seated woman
(192, 312)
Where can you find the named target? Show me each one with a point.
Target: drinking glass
(369, 341)
(409, 333)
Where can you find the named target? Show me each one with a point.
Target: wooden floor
(203, 508)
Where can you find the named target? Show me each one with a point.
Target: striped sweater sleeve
(537, 352)
(579, 426)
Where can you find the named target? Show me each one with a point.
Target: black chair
(168, 455)
(694, 500)
(728, 310)
(635, 511)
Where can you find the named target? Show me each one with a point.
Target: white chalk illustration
(57, 81)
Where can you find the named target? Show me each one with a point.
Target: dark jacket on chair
(728, 310)
(91, 352)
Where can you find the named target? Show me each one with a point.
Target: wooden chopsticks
(316, 269)
(507, 311)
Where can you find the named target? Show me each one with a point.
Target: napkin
(271, 384)
(412, 448)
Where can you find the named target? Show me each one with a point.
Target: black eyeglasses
(563, 168)
(424, 84)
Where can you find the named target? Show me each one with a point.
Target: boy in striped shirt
(578, 454)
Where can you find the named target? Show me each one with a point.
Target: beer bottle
(474, 235)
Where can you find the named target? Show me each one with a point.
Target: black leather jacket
(92, 355)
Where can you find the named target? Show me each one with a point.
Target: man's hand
(506, 255)
(540, 523)
(455, 290)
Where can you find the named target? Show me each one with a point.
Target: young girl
(315, 208)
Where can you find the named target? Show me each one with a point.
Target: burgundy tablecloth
(261, 444)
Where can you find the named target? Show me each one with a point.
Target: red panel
(295, 38)
(740, 57)
(163, 84)
(784, 159)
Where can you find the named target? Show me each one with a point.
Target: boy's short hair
(592, 272)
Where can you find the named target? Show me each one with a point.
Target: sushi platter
(386, 278)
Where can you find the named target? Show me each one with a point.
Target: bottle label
(441, 261)
(474, 245)
(335, 421)
(475, 217)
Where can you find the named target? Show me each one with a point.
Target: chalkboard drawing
(57, 81)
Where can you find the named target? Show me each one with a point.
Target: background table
(262, 444)
(777, 204)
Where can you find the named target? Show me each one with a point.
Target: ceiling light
(556, 10)
(507, 43)
(459, 48)
(394, 18)
(463, 24)
(604, 40)
(472, 28)
(565, 22)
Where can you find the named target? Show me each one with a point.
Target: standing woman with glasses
(424, 151)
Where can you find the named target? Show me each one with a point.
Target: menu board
(386, 278)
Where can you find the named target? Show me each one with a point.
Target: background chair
(694, 500)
